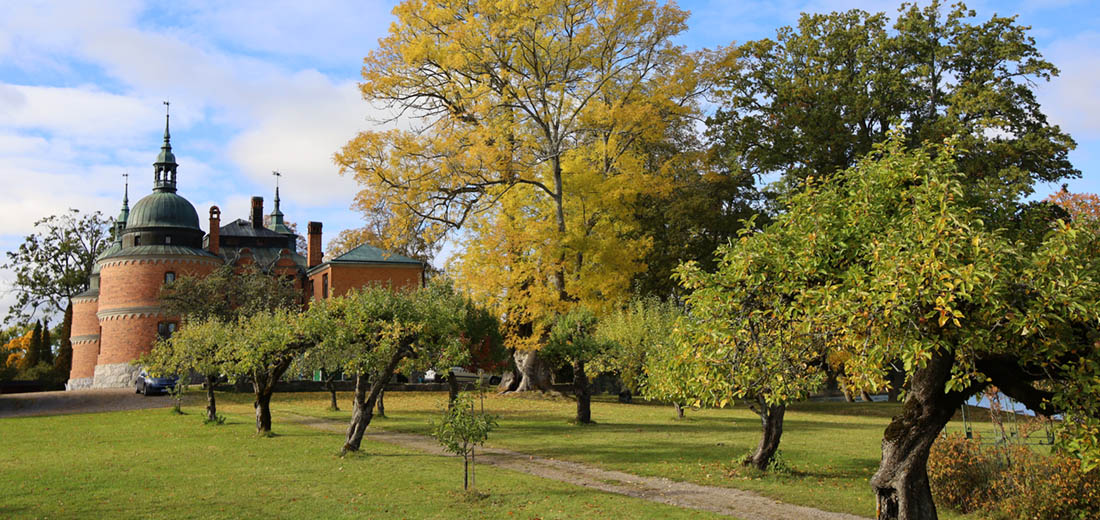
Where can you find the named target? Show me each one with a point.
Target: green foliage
(365, 330)
(63, 363)
(54, 264)
(818, 97)
(177, 391)
(227, 294)
(262, 345)
(573, 338)
(742, 338)
(218, 420)
(482, 333)
(33, 355)
(634, 336)
(462, 429)
(890, 260)
(194, 348)
(45, 344)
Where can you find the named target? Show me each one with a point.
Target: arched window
(169, 277)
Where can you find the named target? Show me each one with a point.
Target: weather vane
(167, 105)
(277, 175)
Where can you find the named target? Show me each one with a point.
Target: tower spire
(164, 170)
(124, 214)
(277, 223)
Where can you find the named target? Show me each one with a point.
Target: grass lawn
(831, 449)
(154, 464)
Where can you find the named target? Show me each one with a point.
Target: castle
(119, 318)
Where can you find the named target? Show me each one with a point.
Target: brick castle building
(119, 318)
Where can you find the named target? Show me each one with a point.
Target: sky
(257, 86)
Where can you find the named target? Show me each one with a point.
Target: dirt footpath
(79, 401)
(745, 505)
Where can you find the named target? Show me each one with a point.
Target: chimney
(257, 212)
(313, 252)
(213, 240)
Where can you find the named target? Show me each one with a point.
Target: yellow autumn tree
(527, 125)
(15, 351)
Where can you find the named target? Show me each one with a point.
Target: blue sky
(271, 85)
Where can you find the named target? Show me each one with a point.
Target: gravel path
(745, 505)
(79, 401)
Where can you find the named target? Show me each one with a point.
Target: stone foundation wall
(78, 384)
(117, 375)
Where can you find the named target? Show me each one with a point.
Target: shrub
(962, 474)
(1011, 481)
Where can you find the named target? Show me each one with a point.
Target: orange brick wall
(125, 338)
(85, 323)
(84, 358)
(343, 278)
(84, 320)
(136, 284)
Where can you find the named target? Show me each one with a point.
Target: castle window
(137, 240)
(167, 239)
(165, 329)
(324, 286)
(169, 277)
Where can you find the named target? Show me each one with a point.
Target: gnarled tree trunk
(452, 389)
(381, 407)
(263, 383)
(211, 406)
(330, 385)
(582, 392)
(363, 409)
(771, 421)
(529, 373)
(679, 410)
(263, 412)
(901, 482)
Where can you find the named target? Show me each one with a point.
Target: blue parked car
(146, 384)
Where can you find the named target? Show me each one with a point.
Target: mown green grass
(831, 449)
(153, 464)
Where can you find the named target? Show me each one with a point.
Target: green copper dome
(163, 209)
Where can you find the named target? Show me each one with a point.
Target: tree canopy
(889, 260)
(531, 125)
(54, 264)
(819, 96)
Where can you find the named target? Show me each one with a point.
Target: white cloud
(82, 113)
(1072, 100)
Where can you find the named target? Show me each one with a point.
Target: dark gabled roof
(243, 228)
(369, 255)
(265, 257)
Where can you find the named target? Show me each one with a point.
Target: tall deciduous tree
(53, 265)
(891, 261)
(532, 119)
(819, 96)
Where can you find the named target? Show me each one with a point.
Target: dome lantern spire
(164, 170)
(277, 223)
